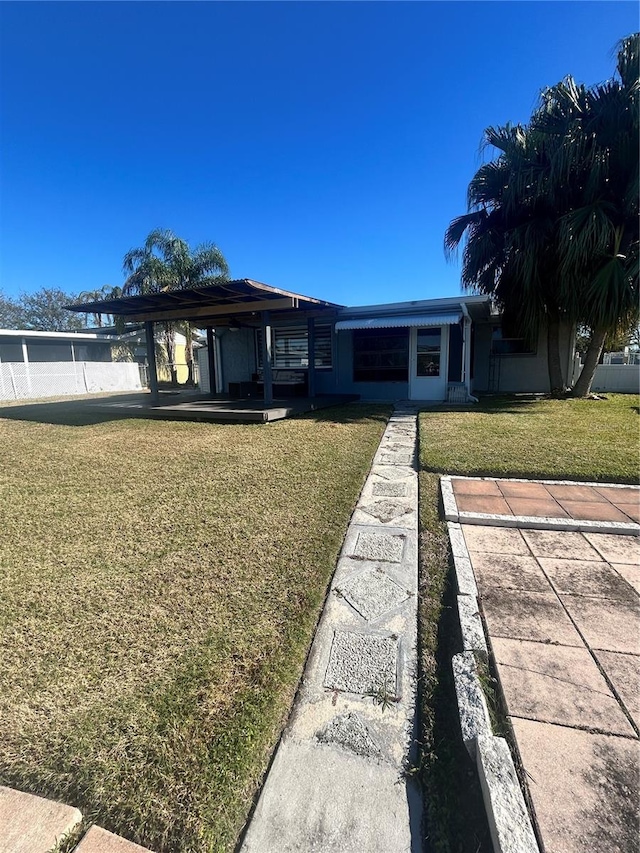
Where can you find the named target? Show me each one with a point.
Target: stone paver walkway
(337, 781)
(562, 612)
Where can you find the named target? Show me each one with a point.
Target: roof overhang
(225, 299)
(448, 318)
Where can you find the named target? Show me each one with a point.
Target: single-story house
(259, 340)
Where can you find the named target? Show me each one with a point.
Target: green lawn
(516, 437)
(595, 440)
(160, 584)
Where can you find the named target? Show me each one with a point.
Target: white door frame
(428, 387)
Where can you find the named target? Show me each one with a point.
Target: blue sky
(323, 146)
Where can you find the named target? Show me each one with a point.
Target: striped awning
(448, 319)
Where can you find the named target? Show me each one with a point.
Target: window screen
(290, 347)
(381, 355)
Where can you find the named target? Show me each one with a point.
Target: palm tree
(166, 262)
(597, 172)
(552, 228)
(509, 249)
(99, 295)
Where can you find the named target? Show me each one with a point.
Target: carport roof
(240, 296)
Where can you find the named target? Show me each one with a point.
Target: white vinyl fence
(20, 381)
(621, 378)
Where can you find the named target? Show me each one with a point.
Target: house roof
(59, 336)
(240, 296)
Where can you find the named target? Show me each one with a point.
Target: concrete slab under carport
(192, 407)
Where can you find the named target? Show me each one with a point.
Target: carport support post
(151, 359)
(267, 375)
(311, 357)
(211, 361)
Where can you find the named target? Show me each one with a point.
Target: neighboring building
(51, 364)
(436, 349)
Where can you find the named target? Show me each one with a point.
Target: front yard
(589, 440)
(160, 584)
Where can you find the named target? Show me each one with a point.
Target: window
(381, 355)
(501, 345)
(290, 347)
(429, 346)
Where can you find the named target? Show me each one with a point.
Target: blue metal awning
(449, 318)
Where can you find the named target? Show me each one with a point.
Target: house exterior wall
(238, 356)
(511, 374)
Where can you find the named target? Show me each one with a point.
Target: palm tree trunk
(554, 365)
(171, 352)
(582, 387)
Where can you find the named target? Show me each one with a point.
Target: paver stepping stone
(623, 671)
(526, 491)
(387, 547)
(486, 504)
(362, 663)
(584, 787)
(98, 840)
(390, 490)
(509, 571)
(494, 540)
(348, 731)
(532, 507)
(373, 593)
(557, 684)
(576, 493)
(30, 824)
(562, 544)
(527, 615)
(475, 487)
(591, 511)
(608, 624)
(583, 577)
(615, 548)
(630, 573)
(624, 495)
(386, 511)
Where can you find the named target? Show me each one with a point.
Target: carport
(221, 306)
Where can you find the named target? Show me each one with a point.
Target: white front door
(428, 362)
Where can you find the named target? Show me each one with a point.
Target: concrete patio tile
(523, 615)
(483, 503)
(533, 507)
(615, 548)
(630, 573)
(98, 840)
(494, 540)
(31, 824)
(576, 493)
(632, 510)
(557, 684)
(584, 787)
(592, 511)
(607, 624)
(509, 571)
(584, 577)
(526, 491)
(475, 487)
(563, 544)
(624, 673)
(626, 494)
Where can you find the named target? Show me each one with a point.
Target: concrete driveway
(562, 616)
